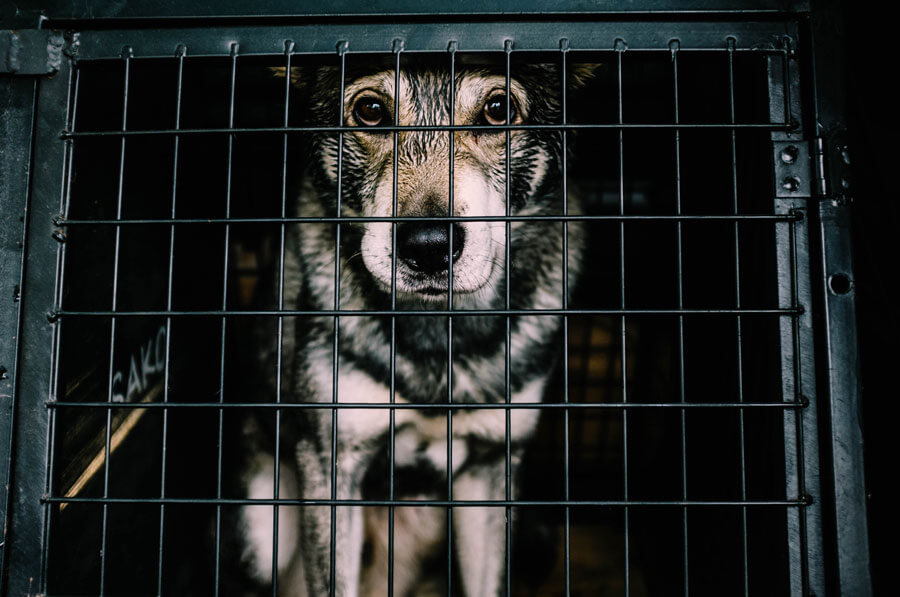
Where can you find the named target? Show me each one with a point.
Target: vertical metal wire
(451, 47)
(508, 47)
(221, 411)
(397, 50)
(179, 54)
(564, 48)
(796, 340)
(737, 298)
(674, 47)
(620, 50)
(57, 341)
(798, 416)
(288, 51)
(786, 81)
(126, 56)
(51, 435)
(342, 51)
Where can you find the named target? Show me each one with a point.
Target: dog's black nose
(425, 246)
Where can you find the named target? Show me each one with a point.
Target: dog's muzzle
(424, 247)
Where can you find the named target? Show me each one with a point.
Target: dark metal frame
(17, 98)
(805, 211)
(102, 12)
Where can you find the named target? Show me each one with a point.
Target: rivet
(791, 184)
(845, 154)
(789, 154)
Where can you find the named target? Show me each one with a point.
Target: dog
(390, 266)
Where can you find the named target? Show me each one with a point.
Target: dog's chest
(420, 436)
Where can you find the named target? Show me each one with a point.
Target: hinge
(836, 165)
(820, 180)
(30, 51)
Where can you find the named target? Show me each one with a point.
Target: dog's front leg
(319, 531)
(479, 534)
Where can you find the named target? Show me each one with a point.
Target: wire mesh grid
(665, 345)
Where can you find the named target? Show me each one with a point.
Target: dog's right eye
(494, 111)
(369, 111)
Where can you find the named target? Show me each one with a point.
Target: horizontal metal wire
(456, 406)
(786, 312)
(791, 217)
(436, 503)
(496, 128)
(584, 55)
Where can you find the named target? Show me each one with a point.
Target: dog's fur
(420, 361)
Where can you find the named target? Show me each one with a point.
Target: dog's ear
(580, 74)
(297, 74)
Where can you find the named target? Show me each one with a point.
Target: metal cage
(699, 433)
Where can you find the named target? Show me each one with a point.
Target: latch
(30, 51)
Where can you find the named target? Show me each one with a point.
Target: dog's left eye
(369, 111)
(495, 109)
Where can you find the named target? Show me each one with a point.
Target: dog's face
(425, 174)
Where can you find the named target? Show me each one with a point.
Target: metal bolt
(791, 184)
(845, 154)
(845, 184)
(3, 373)
(789, 154)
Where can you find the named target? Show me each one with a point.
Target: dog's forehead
(429, 84)
(425, 92)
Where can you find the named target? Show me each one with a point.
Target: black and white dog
(418, 274)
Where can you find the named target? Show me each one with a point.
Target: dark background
(873, 131)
